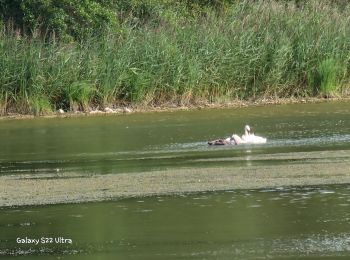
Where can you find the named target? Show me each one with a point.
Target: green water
(284, 223)
(287, 223)
(144, 142)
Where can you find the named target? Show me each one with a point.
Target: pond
(153, 141)
(284, 222)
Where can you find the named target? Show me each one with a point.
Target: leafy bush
(65, 18)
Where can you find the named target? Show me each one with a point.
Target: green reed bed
(245, 50)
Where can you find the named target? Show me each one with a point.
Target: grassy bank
(270, 49)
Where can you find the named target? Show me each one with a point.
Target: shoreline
(44, 189)
(131, 109)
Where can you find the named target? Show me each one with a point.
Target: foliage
(326, 78)
(65, 18)
(79, 95)
(180, 52)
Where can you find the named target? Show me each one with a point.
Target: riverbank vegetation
(94, 54)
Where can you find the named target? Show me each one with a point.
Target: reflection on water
(146, 142)
(288, 223)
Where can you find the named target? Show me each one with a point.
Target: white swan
(248, 137)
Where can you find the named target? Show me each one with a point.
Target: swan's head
(247, 129)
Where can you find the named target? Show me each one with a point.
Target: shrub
(63, 18)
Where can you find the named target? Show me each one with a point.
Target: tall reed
(265, 49)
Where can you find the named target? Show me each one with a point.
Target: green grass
(244, 51)
(325, 78)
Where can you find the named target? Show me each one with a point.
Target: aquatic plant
(39, 105)
(326, 78)
(181, 54)
(79, 95)
(329, 71)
